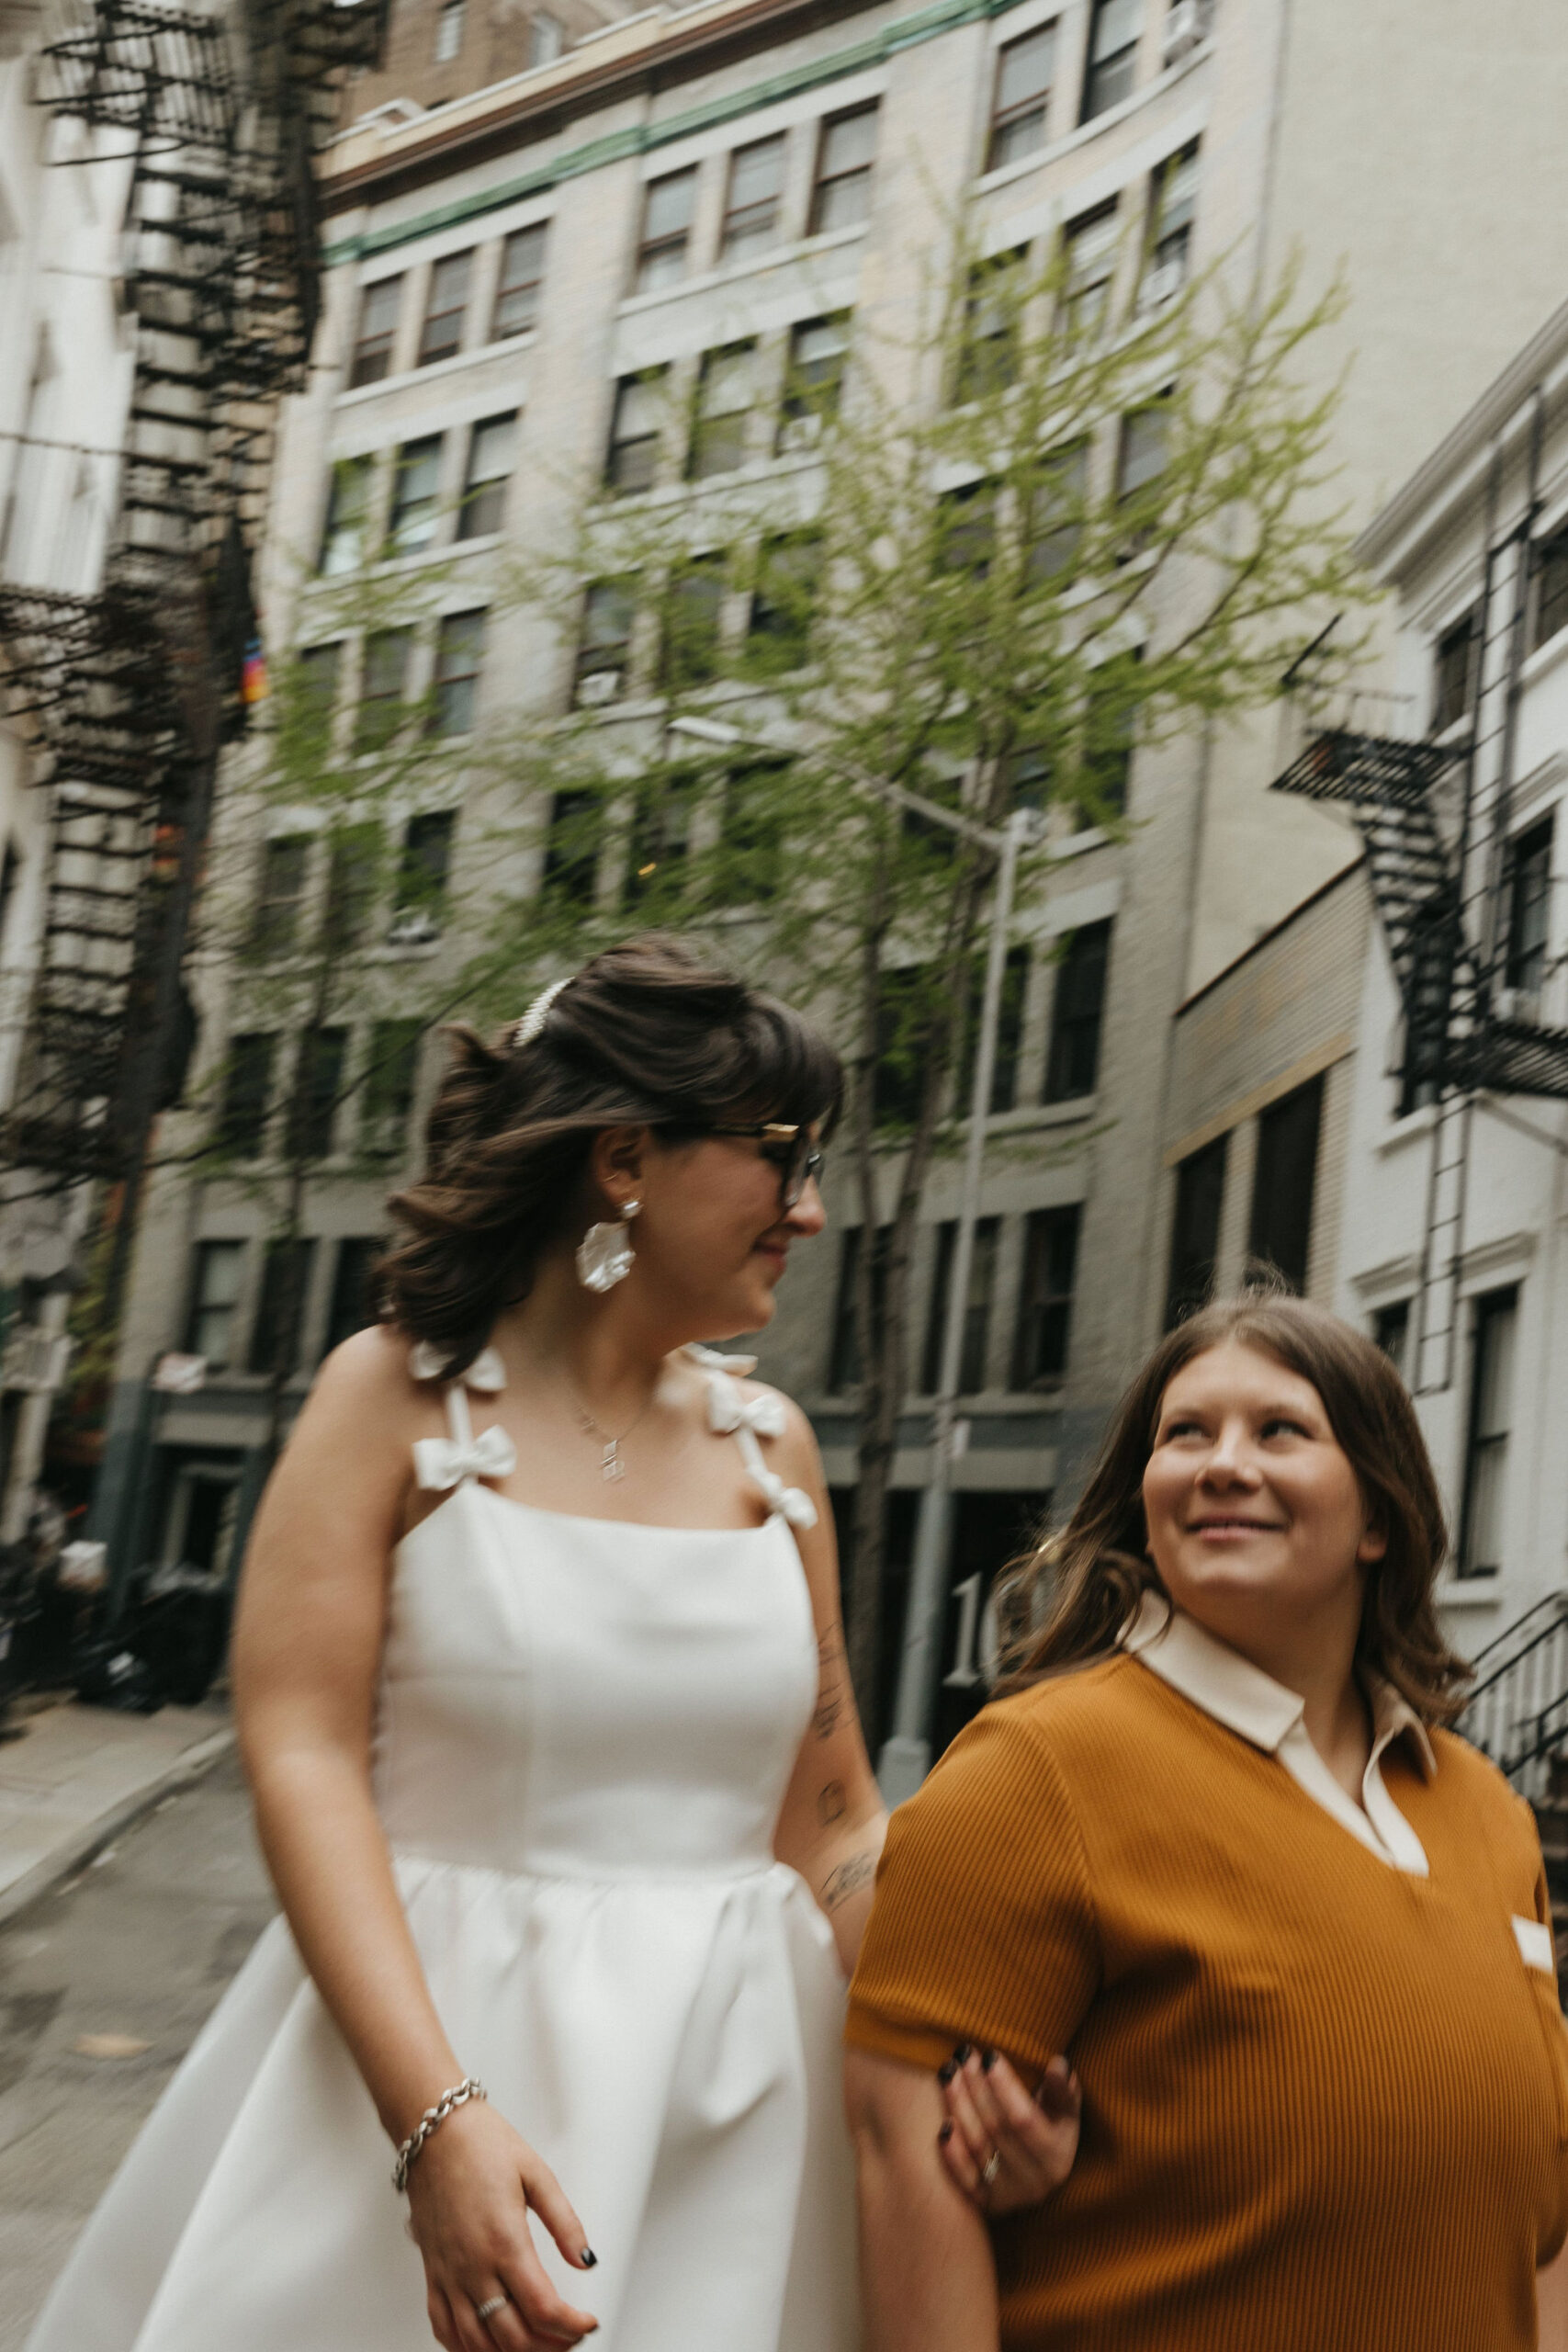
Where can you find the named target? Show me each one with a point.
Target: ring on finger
(991, 2166)
(489, 2308)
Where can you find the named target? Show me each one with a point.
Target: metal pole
(905, 1756)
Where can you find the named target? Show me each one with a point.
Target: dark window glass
(844, 1366)
(1090, 268)
(352, 1308)
(667, 214)
(1195, 1229)
(725, 394)
(344, 535)
(280, 1312)
(604, 648)
(10, 870)
(459, 654)
(571, 847)
(1056, 514)
(1009, 1034)
(752, 207)
(353, 878)
(391, 1075)
(976, 1307)
(247, 1097)
(1078, 1011)
(378, 307)
(217, 1272)
(1433, 949)
(1141, 458)
(1551, 588)
(1491, 1413)
(1390, 1330)
(1110, 721)
(416, 488)
(1530, 909)
(693, 613)
(315, 700)
(988, 360)
(490, 453)
(778, 631)
(1173, 206)
(1284, 1181)
(517, 288)
(635, 433)
(383, 704)
(442, 333)
(1022, 99)
(660, 835)
(903, 1021)
(286, 864)
(423, 867)
(846, 155)
(1045, 1301)
(966, 529)
(318, 1083)
(1029, 776)
(814, 382)
(1454, 670)
(1112, 55)
(752, 840)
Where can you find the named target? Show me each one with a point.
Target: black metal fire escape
(129, 692)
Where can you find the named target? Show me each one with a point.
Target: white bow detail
(791, 1502)
(711, 1360)
(729, 1411)
(443, 1461)
(486, 1373)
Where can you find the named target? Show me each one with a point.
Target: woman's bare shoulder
(368, 1380)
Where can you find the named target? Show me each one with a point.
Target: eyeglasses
(793, 1152)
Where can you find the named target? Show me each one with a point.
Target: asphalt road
(103, 1985)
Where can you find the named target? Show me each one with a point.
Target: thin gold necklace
(611, 1466)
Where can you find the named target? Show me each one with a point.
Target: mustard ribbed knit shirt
(1326, 2100)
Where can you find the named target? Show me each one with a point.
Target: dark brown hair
(1094, 1573)
(647, 1033)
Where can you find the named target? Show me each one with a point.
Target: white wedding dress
(585, 1729)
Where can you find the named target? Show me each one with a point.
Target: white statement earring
(604, 1254)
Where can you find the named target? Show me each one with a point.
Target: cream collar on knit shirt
(1262, 1711)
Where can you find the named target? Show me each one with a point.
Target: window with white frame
(846, 156)
(754, 199)
(1022, 98)
(446, 306)
(449, 30)
(1112, 59)
(726, 391)
(374, 339)
(1173, 208)
(635, 430)
(1494, 1333)
(1090, 243)
(546, 39)
(517, 287)
(667, 211)
(491, 450)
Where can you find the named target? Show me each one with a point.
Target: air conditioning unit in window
(1160, 284)
(412, 928)
(598, 687)
(1185, 27)
(800, 433)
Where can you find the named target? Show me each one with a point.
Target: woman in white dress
(554, 1758)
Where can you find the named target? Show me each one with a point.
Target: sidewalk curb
(80, 1848)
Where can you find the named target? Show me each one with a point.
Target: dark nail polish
(945, 2074)
(988, 2060)
(946, 2131)
(963, 2050)
(588, 2259)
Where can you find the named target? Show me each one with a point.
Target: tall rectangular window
(1112, 55)
(603, 649)
(247, 1095)
(353, 878)
(416, 490)
(660, 835)
(546, 39)
(377, 333)
(491, 450)
(215, 1276)
(843, 1362)
(1453, 675)
(346, 530)
(390, 1079)
(460, 655)
(987, 360)
(1435, 926)
(635, 432)
(814, 379)
(1390, 1330)
(353, 1308)
(449, 30)
(1111, 724)
(1090, 267)
(668, 207)
(752, 201)
(1022, 98)
(318, 1080)
(1529, 907)
(1173, 208)
(784, 598)
(726, 391)
(424, 867)
(441, 337)
(1057, 511)
(383, 694)
(976, 1307)
(903, 1024)
(1009, 1034)
(752, 837)
(571, 846)
(518, 284)
(846, 156)
(1491, 1414)
(689, 656)
(966, 530)
(1195, 1229)
(280, 1313)
(1285, 1181)
(1045, 1301)
(286, 864)
(1077, 1014)
(1551, 588)
(314, 700)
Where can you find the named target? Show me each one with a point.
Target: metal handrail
(1518, 1713)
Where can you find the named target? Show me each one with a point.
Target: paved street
(103, 1988)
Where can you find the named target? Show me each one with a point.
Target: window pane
(1072, 1066)
(571, 847)
(443, 331)
(818, 349)
(491, 456)
(285, 866)
(752, 841)
(247, 1096)
(666, 229)
(426, 858)
(1491, 1411)
(844, 160)
(348, 511)
(756, 183)
(604, 648)
(285, 1282)
(1009, 1034)
(1112, 54)
(844, 1367)
(378, 307)
(353, 878)
(522, 273)
(390, 1080)
(789, 573)
(725, 397)
(691, 625)
(660, 835)
(972, 1372)
(415, 491)
(449, 32)
(382, 705)
(215, 1291)
(1195, 1229)
(1285, 1181)
(1057, 514)
(1530, 909)
(1144, 435)
(318, 1078)
(314, 700)
(1551, 589)
(459, 651)
(1024, 69)
(1091, 266)
(1045, 1301)
(353, 1308)
(640, 402)
(1390, 1330)
(1455, 667)
(546, 39)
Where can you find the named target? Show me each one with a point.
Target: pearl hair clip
(534, 1020)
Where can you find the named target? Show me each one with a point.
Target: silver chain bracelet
(431, 2120)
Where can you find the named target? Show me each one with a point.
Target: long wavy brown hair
(1075, 1594)
(648, 1034)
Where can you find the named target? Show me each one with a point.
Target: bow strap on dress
(440, 1462)
(746, 1418)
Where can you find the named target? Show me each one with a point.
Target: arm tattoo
(830, 1684)
(831, 1803)
(847, 1879)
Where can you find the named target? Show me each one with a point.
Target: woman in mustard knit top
(1214, 1860)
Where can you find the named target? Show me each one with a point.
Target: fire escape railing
(1518, 1710)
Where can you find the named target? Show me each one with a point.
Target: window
(1529, 907)
(10, 872)
(352, 1308)
(1090, 266)
(280, 1314)
(571, 847)
(423, 870)
(843, 1364)
(660, 835)
(789, 572)
(819, 350)
(382, 701)
(1009, 1034)
(988, 358)
(1024, 68)
(966, 529)
(491, 450)
(348, 515)
(416, 487)
(517, 287)
(378, 307)
(318, 1080)
(442, 333)
(1110, 721)
(604, 648)
(635, 431)
(751, 832)
(459, 651)
(1195, 1229)
(314, 700)
(1391, 1331)
(667, 211)
(1454, 681)
(353, 876)
(1486, 1455)
(1140, 461)
(1112, 55)
(285, 870)
(546, 39)
(751, 206)
(1072, 1061)
(976, 1307)
(449, 32)
(247, 1097)
(1056, 515)
(390, 1078)
(1029, 776)
(215, 1276)
(1433, 947)
(1284, 1181)
(1045, 1300)
(695, 607)
(841, 195)
(726, 392)
(1551, 588)
(1173, 205)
